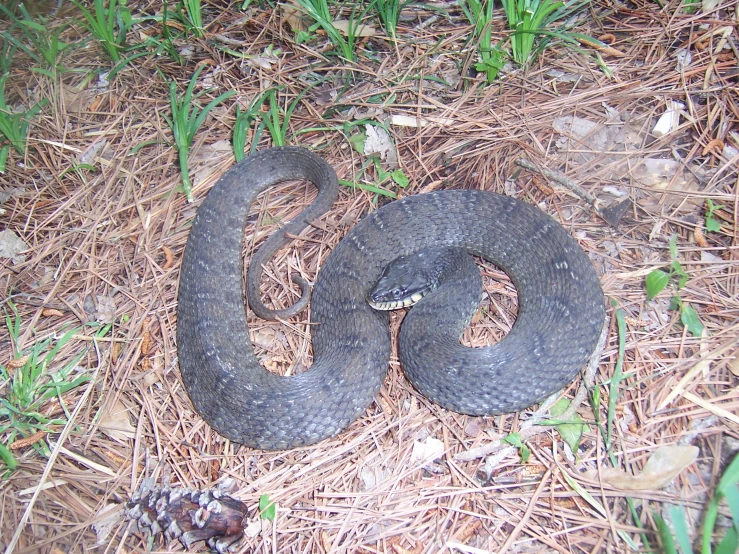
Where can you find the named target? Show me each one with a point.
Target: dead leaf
(115, 351)
(76, 100)
(105, 310)
(426, 452)
(398, 549)
(206, 161)
(253, 528)
(11, 246)
(146, 342)
(474, 427)
(670, 120)
(661, 468)
(150, 378)
(292, 15)
(378, 141)
(103, 526)
(264, 337)
(344, 25)
(18, 362)
(716, 145)
(115, 422)
(700, 237)
(90, 155)
(372, 476)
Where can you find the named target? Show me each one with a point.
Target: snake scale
(561, 308)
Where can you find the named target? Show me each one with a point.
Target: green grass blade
(728, 480)
(4, 152)
(730, 477)
(212, 104)
(668, 544)
(730, 543)
(369, 188)
(617, 374)
(677, 514)
(7, 457)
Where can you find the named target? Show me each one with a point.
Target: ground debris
(190, 516)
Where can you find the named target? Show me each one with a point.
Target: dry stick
(562, 180)
(529, 427)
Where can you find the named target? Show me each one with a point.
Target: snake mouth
(387, 305)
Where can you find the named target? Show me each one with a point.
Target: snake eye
(397, 293)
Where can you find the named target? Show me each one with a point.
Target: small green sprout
(658, 280)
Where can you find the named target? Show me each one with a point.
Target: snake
(560, 307)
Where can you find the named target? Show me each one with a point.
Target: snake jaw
(378, 303)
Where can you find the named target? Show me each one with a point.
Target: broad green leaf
(514, 439)
(730, 476)
(727, 484)
(400, 178)
(732, 499)
(267, 509)
(357, 142)
(681, 529)
(656, 282)
(712, 225)
(679, 273)
(571, 432)
(690, 319)
(4, 151)
(729, 544)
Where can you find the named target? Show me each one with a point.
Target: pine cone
(190, 516)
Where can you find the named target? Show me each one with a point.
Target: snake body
(559, 319)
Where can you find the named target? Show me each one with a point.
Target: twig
(562, 180)
(612, 213)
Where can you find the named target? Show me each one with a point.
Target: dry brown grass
(108, 234)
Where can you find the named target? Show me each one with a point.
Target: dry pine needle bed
(626, 127)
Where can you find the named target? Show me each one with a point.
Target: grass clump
(318, 11)
(109, 25)
(193, 17)
(29, 388)
(36, 39)
(187, 117)
(533, 24)
(14, 125)
(658, 280)
(389, 11)
(492, 58)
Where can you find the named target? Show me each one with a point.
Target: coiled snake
(559, 319)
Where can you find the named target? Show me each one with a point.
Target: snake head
(403, 282)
